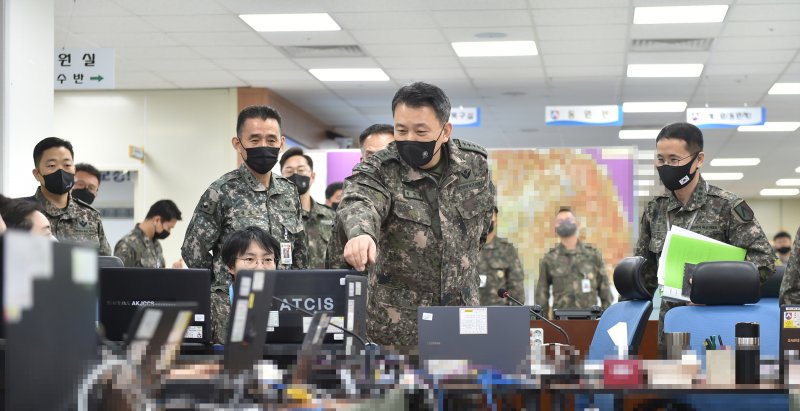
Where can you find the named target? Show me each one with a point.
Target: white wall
(185, 134)
(777, 214)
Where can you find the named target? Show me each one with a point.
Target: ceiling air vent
(324, 51)
(645, 45)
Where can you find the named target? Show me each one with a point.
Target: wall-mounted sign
(465, 116)
(136, 153)
(84, 69)
(726, 117)
(583, 115)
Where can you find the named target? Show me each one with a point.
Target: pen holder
(720, 368)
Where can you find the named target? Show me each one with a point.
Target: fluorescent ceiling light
(495, 48)
(654, 107)
(722, 176)
(788, 182)
(645, 171)
(785, 88)
(645, 183)
(349, 74)
(290, 22)
(772, 126)
(664, 70)
(730, 162)
(780, 191)
(650, 155)
(631, 134)
(679, 14)
(641, 193)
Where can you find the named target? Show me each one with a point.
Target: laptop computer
(495, 337)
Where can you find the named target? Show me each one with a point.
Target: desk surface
(581, 333)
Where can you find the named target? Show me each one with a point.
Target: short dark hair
(566, 209)
(296, 151)
(421, 94)
(262, 112)
(17, 213)
(375, 129)
(88, 168)
(166, 209)
(47, 144)
(237, 243)
(332, 189)
(781, 234)
(683, 131)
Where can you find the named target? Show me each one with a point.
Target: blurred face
(162, 226)
(336, 197)
(565, 216)
(374, 143)
(297, 165)
(494, 220)
(783, 242)
(53, 159)
(256, 257)
(258, 133)
(420, 124)
(41, 225)
(87, 181)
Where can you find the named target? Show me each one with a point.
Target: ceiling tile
(405, 75)
(347, 62)
(273, 75)
(88, 8)
(673, 31)
(764, 12)
(164, 66)
(586, 46)
(410, 63)
(600, 59)
(588, 32)
(482, 18)
(580, 17)
(581, 4)
(501, 62)
(243, 38)
(322, 38)
(256, 64)
(772, 28)
(385, 20)
(130, 39)
(106, 24)
(172, 7)
(198, 23)
(218, 76)
(396, 36)
(362, 6)
(155, 53)
(477, 5)
(778, 57)
(416, 51)
(272, 6)
(756, 43)
(236, 52)
(469, 34)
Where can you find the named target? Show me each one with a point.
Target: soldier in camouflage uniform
(574, 269)
(499, 267)
(248, 196)
(248, 249)
(298, 168)
(790, 285)
(420, 211)
(141, 247)
(70, 219)
(690, 202)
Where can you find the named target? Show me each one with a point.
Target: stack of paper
(683, 249)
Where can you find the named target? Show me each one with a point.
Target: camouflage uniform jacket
(220, 313)
(318, 224)
(710, 211)
(565, 271)
(790, 286)
(136, 250)
(499, 267)
(428, 234)
(235, 201)
(78, 222)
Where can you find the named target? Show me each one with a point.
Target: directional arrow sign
(82, 69)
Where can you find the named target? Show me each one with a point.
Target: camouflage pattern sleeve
(300, 243)
(105, 247)
(603, 285)
(643, 250)
(334, 256)
(745, 231)
(790, 286)
(365, 201)
(516, 276)
(128, 253)
(203, 232)
(220, 312)
(543, 287)
(487, 222)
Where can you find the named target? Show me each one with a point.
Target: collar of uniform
(51, 209)
(140, 234)
(315, 210)
(251, 180)
(456, 165)
(696, 200)
(563, 250)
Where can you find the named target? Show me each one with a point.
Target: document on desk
(683, 247)
(473, 320)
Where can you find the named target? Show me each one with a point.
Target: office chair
(107, 261)
(730, 293)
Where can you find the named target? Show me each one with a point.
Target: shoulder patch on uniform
(469, 146)
(744, 212)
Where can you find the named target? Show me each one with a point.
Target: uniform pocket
(413, 211)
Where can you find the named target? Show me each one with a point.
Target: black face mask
(162, 235)
(418, 153)
(59, 182)
(84, 195)
(303, 183)
(334, 206)
(784, 250)
(677, 177)
(261, 159)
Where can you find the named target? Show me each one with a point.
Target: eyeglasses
(673, 161)
(253, 261)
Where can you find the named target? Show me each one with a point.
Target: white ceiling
(584, 48)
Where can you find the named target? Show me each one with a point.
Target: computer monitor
(337, 292)
(123, 290)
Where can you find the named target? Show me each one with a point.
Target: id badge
(586, 285)
(483, 280)
(286, 253)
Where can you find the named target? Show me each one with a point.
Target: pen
(713, 343)
(721, 345)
